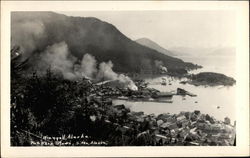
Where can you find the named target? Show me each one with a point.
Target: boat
(145, 99)
(163, 82)
(158, 95)
(183, 92)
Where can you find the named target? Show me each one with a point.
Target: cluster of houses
(186, 128)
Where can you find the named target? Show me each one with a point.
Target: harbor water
(217, 101)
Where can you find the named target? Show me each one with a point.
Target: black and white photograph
(123, 78)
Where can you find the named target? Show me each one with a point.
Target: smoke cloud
(159, 64)
(88, 65)
(106, 73)
(125, 79)
(28, 34)
(59, 58)
(87, 68)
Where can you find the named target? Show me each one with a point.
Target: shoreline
(128, 105)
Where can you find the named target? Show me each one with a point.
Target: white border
(242, 90)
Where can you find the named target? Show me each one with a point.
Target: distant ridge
(199, 51)
(153, 45)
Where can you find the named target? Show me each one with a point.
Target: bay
(217, 101)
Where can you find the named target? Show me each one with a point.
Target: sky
(203, 29)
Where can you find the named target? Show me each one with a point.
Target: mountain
(223, 51)
(40, 33)
(151, 44)
(199, 51)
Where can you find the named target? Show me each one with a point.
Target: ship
(162, 95)
(183, 92)
(144, 99)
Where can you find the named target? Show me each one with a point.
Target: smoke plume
(28, 34)
(59, 58)
(159, 64)
(88, 65)
(106, 73)
(125, 79)
(87, 68)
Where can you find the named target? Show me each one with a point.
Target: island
(210, 79)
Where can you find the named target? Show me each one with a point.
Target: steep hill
(39, 33)
(151, 44)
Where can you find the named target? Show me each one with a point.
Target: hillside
(151, 44)
(44, 35)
